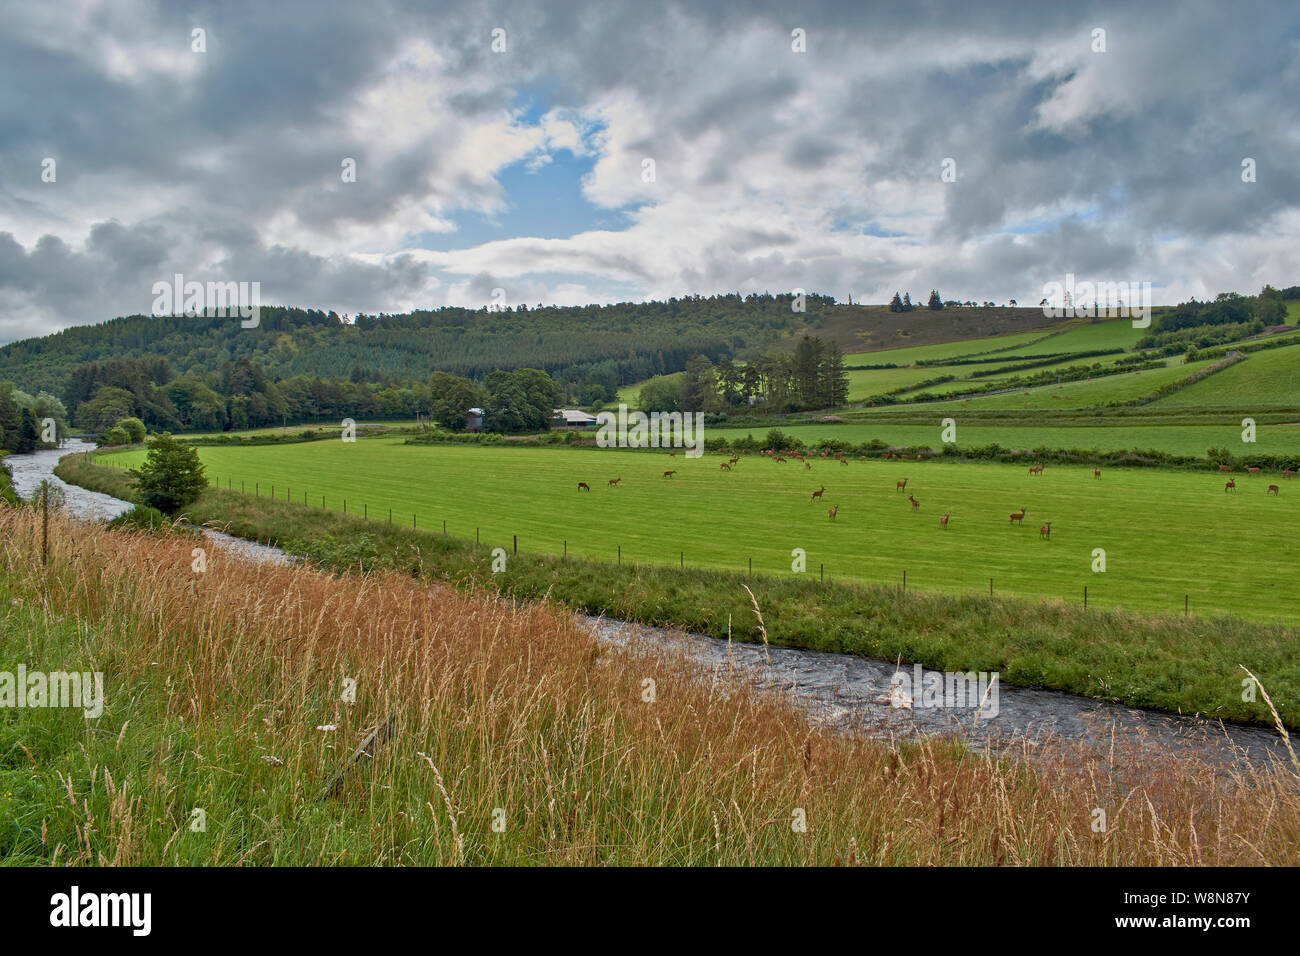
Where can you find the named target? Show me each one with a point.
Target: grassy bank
(510, 737)
(1167, 662)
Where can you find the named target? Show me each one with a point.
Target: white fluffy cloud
(772, 169)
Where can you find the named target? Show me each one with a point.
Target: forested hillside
(613, 345)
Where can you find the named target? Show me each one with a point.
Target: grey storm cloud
(777, 169)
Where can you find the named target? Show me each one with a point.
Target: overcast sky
(525, 169)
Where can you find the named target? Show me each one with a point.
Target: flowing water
(850, 691)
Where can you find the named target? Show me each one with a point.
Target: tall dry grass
(217, 683)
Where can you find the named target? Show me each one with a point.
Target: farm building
(572, 418)
(474, 420)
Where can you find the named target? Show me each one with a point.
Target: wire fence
(564, 545)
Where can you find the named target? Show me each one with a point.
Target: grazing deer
(780, 460)
(1019, 517)
(1046, 531)
(724, 466)
(834, 511)
(669, 474)
(1225, 468)
(1096, 473)
(1253, 471)
(613, 482)
(1231, 485)
(1273, 490)
(915, 504)
(818, 494)
(843, 461)
(900, 485)
(943, 522)
(807, 466)
(582, 486)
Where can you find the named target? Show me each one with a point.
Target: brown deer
(582, 486)
(943, 521)
(1225, 468)
(834, 511)
(915, 504)
(1046, 531)
(1273, 490)
(843, 461)
(669, 474)
(818, 494)
(613, 482)
(901, 485)
(1253, 471)
(780, 460)
(724, 466)
(1096, 473)
(1019, 517)
(1287, 473)
(807, 466)
(1231, 485)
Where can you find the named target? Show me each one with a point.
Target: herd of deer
(1231, 483)
(1017, 517)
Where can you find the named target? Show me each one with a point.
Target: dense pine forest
(611, 344)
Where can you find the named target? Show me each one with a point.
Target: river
(846, 690)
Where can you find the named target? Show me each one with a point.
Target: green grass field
(1173, 439)
(1088, 393)
(1269, 377)
(1166, 534)
(1106, 334)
